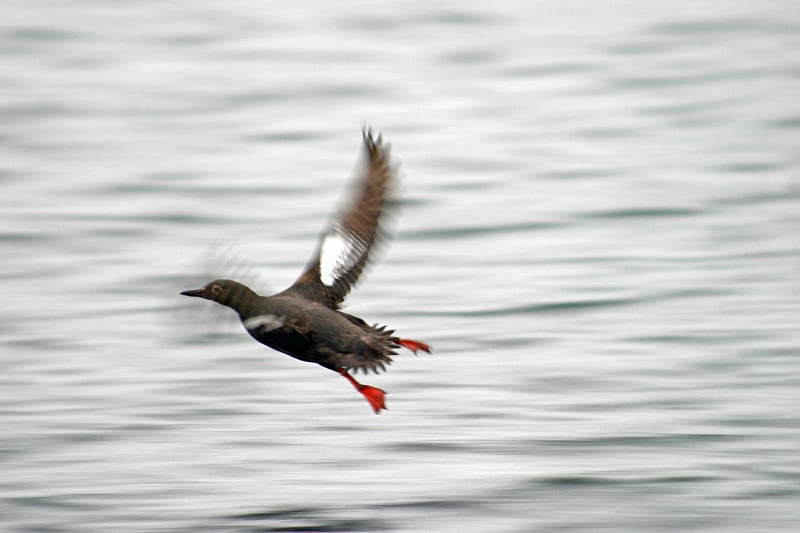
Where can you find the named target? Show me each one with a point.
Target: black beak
(193, 292)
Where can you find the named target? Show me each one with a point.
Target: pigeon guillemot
(305, 320)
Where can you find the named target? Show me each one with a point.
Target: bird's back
(313, 332)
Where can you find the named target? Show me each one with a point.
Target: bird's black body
(305, 321)
(309, 331)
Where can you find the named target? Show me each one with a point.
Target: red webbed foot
(375, 396)
(414, 346)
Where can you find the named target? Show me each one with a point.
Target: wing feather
(345, 247)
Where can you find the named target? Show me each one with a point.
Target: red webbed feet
(414, 346)
(375, 396)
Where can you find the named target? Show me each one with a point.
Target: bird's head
(224, 291)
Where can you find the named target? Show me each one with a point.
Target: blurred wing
(344, 248)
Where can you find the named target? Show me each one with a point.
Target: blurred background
(598, 235)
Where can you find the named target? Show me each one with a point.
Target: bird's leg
(373, 395)
(414, 346)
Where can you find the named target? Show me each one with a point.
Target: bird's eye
(216, 289)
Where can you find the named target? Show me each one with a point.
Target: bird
(305, 321)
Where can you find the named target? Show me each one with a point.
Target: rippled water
(599, 237)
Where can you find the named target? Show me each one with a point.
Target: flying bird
(305, 321)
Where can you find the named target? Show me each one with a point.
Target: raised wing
(345, 246)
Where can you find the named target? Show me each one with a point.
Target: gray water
(598, 236)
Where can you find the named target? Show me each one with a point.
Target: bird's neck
(242, 299)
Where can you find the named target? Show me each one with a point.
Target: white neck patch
(339, 252)
(268, 322)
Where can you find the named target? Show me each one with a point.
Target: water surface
(598, 235)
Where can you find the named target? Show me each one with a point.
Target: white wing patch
(268, 322)
(340, 251)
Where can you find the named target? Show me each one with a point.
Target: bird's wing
(345, 246)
